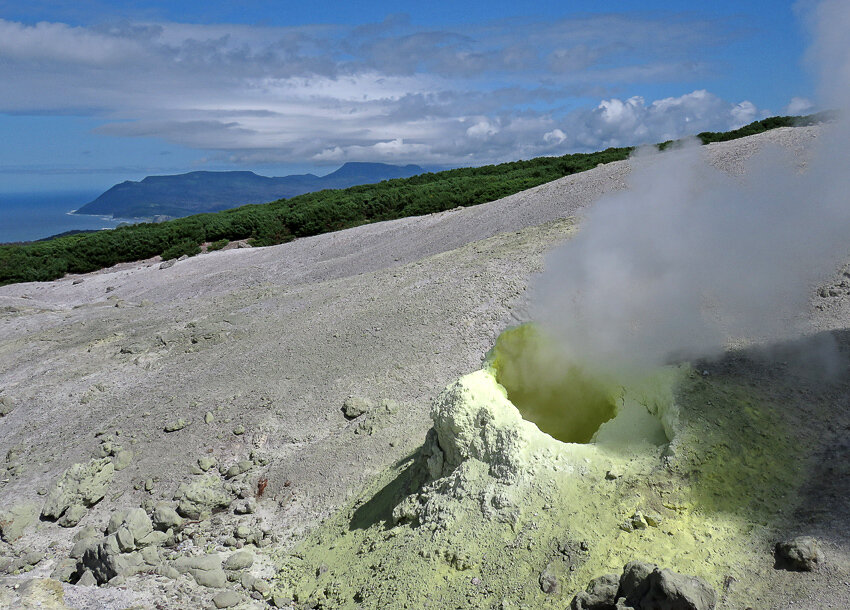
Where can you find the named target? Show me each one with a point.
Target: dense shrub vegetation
(313, 213)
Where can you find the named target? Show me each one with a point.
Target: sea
(33, 216)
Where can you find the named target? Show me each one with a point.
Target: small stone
(549, 582)
(612, 475)
(209, 417)
(600, 593)
(7, 405)
(239, 430)
(64, 570)
(72, 516)
(174, 426)
(261, 586)
(205, 463)
(122, 459)
(87, 579)
(165, 517)
(652, 519)
(355, 406)
(148, 484)
(227, 599)
(239, 561)
(800, 554)
(248, 507)
(281, 601)
(243, 531)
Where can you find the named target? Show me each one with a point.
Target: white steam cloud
(690, 257)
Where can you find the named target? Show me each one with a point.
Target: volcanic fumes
(561, 398)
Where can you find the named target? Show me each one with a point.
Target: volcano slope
(280, 399)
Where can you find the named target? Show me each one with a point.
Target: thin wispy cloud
(385, 91)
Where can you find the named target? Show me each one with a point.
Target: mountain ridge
(177, 195)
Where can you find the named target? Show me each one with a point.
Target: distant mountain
(196, 192)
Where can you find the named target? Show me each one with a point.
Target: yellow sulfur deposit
(671, 468)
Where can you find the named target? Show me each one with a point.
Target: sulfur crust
(490, 502)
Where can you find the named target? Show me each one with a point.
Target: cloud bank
(386, 91)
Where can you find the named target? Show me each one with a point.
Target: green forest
(319, 212)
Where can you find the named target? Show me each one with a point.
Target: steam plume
(691, 257)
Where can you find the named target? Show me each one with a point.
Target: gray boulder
(634, 582)
(801, 554)
(601, 594)
(671, 591)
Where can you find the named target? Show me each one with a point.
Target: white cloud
(616, 122)
(798, 105)
(390, 91)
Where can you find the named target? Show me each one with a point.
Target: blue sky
(94, 93)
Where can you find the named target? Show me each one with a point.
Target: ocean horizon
(33, 216)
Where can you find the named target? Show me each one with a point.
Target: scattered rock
(16, 519)
(612, 475)
(239, 430)
(227, 599)
(549, 583)
(801, 554)
(72, 516)
(87, 579)
(105, 561)
(64, 570)
(209, 417)
(601, 594)
(239, 561)
(168, 263)
(41, 593)
(205, 463)
(667, 589)
(206, 570)
(7, 405)
(643, 586)
(165, 517)
(202, 496)
(248, 507)
(634, 581)
(81, 484)
(174, 426)
(355, 406)
(122, 459)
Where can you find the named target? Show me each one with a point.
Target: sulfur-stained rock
(206, 570)
(202, 496)
(227, 599)
(16, 519)
(239, 561)
(81, 484)
(354, 407)
(165, 517)
(72, 516)
(801, 554)
(122, 459)
(106, 561)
